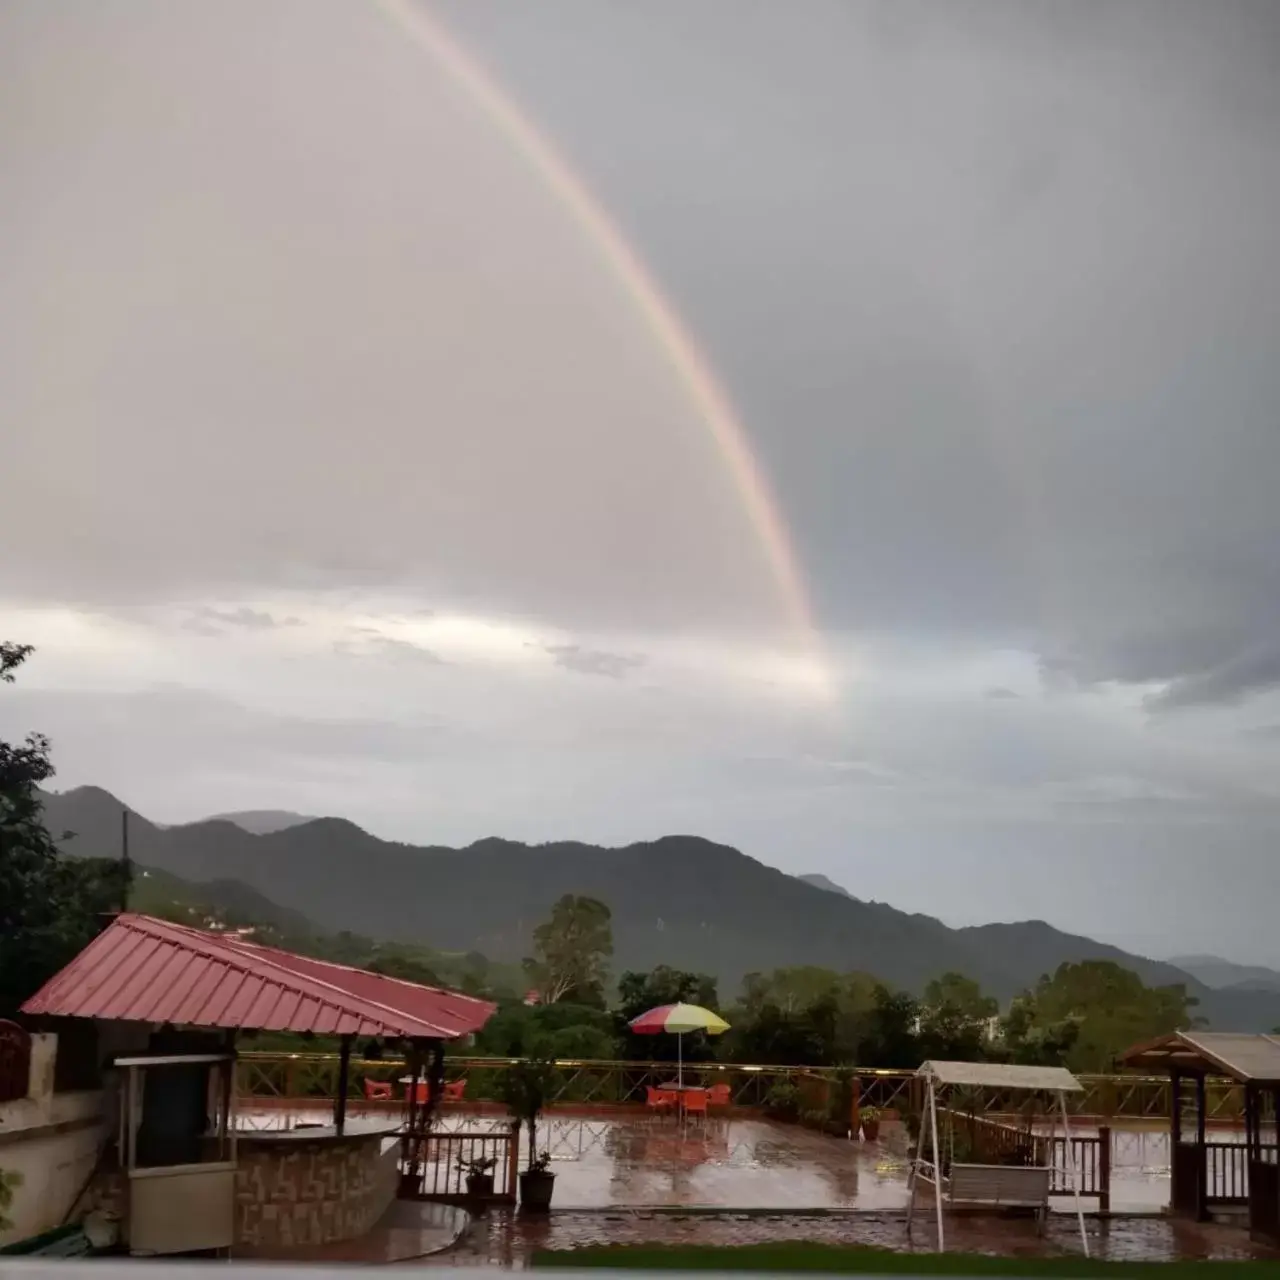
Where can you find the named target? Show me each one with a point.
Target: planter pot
(536, 1186)
(871, 1130)
(480, 1185)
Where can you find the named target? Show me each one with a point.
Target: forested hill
(680, 900)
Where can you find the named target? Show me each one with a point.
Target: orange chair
(719, 1096)
(659, 1100)
(377, 1090)
(422, 1095)
(695, 1102)
(455, 1090)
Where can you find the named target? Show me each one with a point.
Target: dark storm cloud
(1234, 681)
(993, 282)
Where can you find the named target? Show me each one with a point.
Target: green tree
(639, 992)
(1090, 1012)
(892, 1040)
(953, 1018)
(50, 906)
(572, 950)
(804, 1015)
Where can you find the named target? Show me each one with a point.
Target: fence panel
(437, 1166)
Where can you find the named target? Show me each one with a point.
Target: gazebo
(171, 1000)
(1228, 1173)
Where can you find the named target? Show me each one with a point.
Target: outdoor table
(675, 1087)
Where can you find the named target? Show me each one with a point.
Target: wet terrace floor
(640, 1161)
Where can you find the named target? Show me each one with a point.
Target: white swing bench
(993, 1188)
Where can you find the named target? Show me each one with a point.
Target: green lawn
(795, 1256)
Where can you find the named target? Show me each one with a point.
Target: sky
(351, 465)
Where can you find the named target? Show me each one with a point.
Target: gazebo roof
(1000, 1075)
(141, 969)
(1246, 1058)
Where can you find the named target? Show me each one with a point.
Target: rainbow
(713, 407)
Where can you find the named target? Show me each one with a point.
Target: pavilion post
(344, 1083)
(1074, 1167)
(1202, 1154)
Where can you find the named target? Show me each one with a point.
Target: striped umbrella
(676, 1019)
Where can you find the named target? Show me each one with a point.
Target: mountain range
(679, 900)
(1224, 975)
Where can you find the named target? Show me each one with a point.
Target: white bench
(999, 1186)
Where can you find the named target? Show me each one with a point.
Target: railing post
(855, 1106)
(1104, 1168)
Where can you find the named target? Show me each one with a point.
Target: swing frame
(993, 1186)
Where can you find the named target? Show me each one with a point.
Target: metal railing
(264, 1077)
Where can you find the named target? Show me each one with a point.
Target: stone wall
(311, 1191)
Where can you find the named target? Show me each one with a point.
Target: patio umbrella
(676, 1019)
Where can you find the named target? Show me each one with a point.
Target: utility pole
(126, 866)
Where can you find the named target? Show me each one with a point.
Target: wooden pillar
(1175, 1108)
(1202, 1155)
(1104, 1168)
(344, 1083)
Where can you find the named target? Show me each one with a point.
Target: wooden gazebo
(1225, 1173)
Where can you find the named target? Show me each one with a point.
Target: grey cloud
(1233, 681)
(594, 662)
(207, 621)
(374, 645)
(999, 693)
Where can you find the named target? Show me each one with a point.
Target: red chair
(719, 1096)
(422, 1095)
(695, 1102)
(377, 1090)
(659, 1100)
(455, 1090)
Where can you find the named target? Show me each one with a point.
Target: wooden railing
(1227, 1171)
(994, 1142)
(436, 1167)
(300, 1076)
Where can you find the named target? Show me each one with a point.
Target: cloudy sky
(347, 464)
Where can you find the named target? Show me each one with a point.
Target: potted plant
(525, 1087)
(479, 1177)
(782, 1101)
(870, 1117)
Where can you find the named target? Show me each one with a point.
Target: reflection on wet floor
(750, 1163)
(726, 1163)
(505, 1239)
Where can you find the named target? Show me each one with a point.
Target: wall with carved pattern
(311, 1191)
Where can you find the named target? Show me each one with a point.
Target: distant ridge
(1224, 975)
(819, 881)
(732, 915)
(262, 822)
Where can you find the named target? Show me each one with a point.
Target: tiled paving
(408, 1230)
(636, 1179)
(507, 1240)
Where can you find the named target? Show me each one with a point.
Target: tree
(50, 905)
(892, 1039)
(954, 1017)
(1090, 1012)
(572, 950)
(804, 1015)
(639, 992)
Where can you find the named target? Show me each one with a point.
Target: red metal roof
(140, 969)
